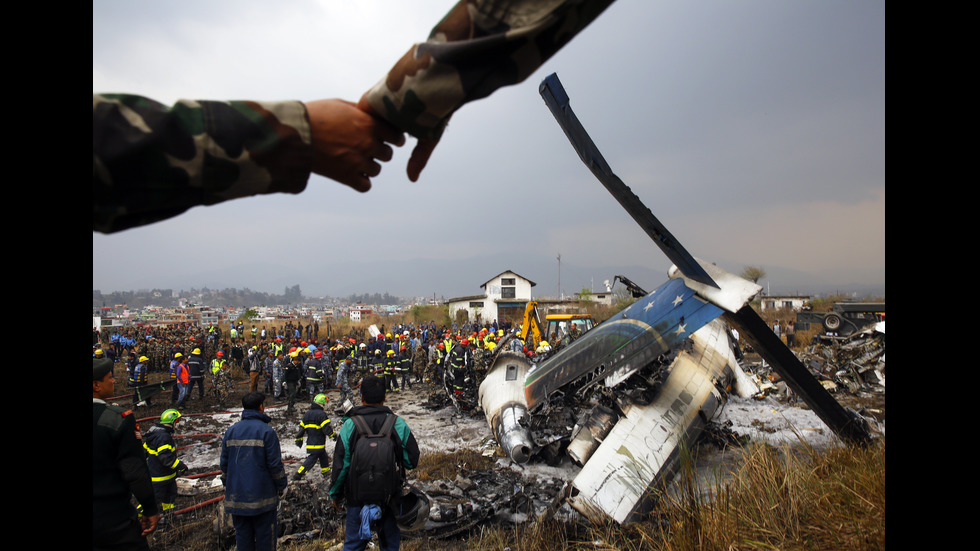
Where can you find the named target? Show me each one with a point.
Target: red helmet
(318, 354)
(220, 354)
(466, 342)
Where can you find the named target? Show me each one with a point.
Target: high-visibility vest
(216, 365)
(183, 375)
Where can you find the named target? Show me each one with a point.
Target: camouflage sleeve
(151, 162)
(478, 47)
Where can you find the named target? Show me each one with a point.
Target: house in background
(774, 302)
(504, 298)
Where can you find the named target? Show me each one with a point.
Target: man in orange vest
(183, 381)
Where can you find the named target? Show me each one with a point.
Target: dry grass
(791, 497)
(445, 466)
(781, 498)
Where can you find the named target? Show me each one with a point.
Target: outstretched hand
(420, 154)
(348, 142)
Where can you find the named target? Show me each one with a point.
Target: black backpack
(376, 470)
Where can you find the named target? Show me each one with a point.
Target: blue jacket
(251, 461)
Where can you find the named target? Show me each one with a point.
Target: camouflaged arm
(478, 47)
(151, 162)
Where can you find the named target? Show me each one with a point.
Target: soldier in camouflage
(151, 162)
(478, 47)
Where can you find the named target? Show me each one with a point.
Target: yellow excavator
(561, 328)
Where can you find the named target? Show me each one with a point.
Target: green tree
(585, 294)
(753, 273)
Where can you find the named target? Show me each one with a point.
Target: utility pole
(559, 276)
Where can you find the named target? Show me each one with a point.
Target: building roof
(508, 272)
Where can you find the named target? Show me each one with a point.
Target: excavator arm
(635, 290)
(531, 326)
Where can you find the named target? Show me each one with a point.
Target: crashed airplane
(623, 398)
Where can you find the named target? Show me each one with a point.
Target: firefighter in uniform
(195, 368)
(377, 363)
(316, 427)
(457, 375)
(314, 373)
(162, 461)
(440, 360)
(390, 370)
(405, 366)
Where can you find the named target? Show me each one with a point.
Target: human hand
(420, 154)
(347, 140)
(149, 524)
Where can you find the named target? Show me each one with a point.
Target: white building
(504, 299)
(774, 302)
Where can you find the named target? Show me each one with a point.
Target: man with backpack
(373, 450)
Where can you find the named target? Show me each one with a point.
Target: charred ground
(471, 485)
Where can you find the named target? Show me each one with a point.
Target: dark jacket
(195, 365)
(292, 371)
(161, 453)
(375, 417)
(251, 460)
(316, 427)
(118, 468)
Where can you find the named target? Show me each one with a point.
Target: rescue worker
(219, 376)
(270, 359)
(293, 372)
(343, 380)
(137, 379)
(162, 461)
(440, 361)
(183, 381)
(419, 361)
(238, 356)
(278, 369)
(316, 427)
(175, 391)
(457, 375)
(377, 363)
(361, 357)
(195, 369)
(390, 370)
(405, 366)
(314, 374)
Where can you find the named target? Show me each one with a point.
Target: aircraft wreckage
(622, 399)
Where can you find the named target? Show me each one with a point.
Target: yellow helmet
(391, 352)
(178, 355)
(144, 359)
(196, 351)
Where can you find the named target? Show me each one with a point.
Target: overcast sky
(753, 129)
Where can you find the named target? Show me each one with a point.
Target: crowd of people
(454, 358)
(296, 362)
